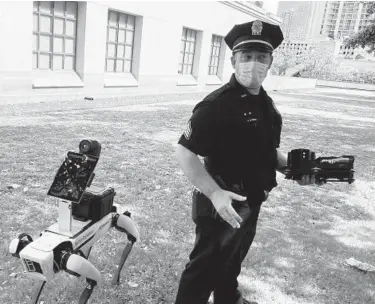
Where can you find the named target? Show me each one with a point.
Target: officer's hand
(222, 201)
(308, 179)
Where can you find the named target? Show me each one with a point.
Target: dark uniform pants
(215, 261)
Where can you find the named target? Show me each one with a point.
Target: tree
(318, 62)
(283, 60)
(312, 63)
(365, 37)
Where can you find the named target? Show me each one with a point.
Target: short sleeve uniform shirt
(236, 134)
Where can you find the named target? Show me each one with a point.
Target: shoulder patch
(188, 131)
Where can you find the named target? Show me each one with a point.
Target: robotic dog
(84, 217)
(326, 169)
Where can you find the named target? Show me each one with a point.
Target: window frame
(52, 35)
(215, 39)
(115, 58)
(185, 41)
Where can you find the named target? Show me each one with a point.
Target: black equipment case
(94, 205)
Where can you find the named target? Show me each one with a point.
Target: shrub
(345, 75)
(319, 64)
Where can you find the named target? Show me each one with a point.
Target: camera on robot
(86, 213)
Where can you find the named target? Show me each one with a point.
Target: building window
(187, 51)
(54, 35)
(120, 40)
(215, 55)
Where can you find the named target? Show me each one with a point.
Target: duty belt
(237, 187)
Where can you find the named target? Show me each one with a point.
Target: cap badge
(257, 28)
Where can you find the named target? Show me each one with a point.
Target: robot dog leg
(42, 261)
(124, 223)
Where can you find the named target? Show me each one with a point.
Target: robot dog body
(66, 245)
(41, 257)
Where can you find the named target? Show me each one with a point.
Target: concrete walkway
(346, 85)
(272, 84)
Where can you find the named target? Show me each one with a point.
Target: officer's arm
(195, 171)
(281, 161)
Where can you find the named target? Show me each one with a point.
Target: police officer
(237, 130)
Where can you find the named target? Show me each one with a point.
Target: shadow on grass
(301, 245)
(148, 184)
(304, 233)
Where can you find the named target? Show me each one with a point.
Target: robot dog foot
(124, 256)
(79, 266)
(38, 292)
(86, 294)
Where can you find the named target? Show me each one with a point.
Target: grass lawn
(304, 233)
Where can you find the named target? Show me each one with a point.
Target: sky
(271, 6)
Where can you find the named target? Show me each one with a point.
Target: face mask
(251, 74)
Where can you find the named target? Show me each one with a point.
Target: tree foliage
(365, 37)
(318, 63)
(283, 60)
(311, 63)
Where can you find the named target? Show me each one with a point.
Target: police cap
(255, 34)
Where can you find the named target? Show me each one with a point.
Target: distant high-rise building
(308, 24)
(344, 18)
(286, 24)
(268, 6)
(294, 17)
(301, 20)
(318, 19)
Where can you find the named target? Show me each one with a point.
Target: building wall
(156, 47)
(297, 47)
(15, 46)
(286, 25)
(294, 18)
(301, 20)
(316, 20)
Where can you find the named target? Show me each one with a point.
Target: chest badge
(250, 119)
